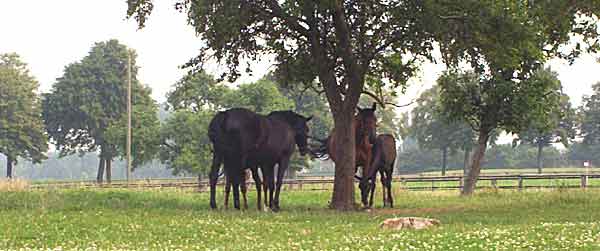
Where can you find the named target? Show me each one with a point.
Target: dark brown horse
(287, 130)
(384, 155)
(215, 134)
(242, 139)
(365, 128)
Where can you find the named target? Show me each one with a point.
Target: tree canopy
(504, 43)
(435, 130)
(342, 44)
(21, 126)
(338, 43)
(90, 98)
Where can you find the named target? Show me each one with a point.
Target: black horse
(384, 155)
(243, 139)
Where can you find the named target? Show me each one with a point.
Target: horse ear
(374, 106)
(309, 118)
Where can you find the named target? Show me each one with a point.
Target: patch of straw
(13, 185)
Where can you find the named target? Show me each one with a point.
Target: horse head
(365, 187)
(299, 124)
(367, 122)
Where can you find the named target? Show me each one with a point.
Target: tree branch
(383, 103)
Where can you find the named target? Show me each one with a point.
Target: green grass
(170, 219)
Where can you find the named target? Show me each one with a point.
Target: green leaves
(185, 146)
(433, 129)
(590, 117)
(21, 125)
(87, 108)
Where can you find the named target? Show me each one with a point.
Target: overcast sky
(51, 34)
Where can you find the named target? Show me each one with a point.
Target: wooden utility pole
(128, 115)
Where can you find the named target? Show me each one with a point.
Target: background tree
(339, 43)
(590, 116)
(555, 124)
(185, 147)
(434, 130)
(88, 99)
(262, 97)
(145, 126)
(504, 42)
(21, 125)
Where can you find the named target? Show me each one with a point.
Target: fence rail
(522, 181)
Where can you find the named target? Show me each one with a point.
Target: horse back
(243, 130)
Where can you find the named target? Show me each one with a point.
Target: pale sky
(51, 34)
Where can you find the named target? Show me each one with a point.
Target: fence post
(520, 182)
(494, 184)
(584, 181)
(461, 183)
(300, 185)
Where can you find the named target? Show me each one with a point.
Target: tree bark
(9, 167)
(444, 160)
(108, 169)
(466, 161)
(540, 161)
(343, 186)
(101, 163)
(475, 169)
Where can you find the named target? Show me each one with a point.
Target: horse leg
(228, 185)
(283, 166)
(267, 184)
(373, 184)
(383, 187)
(237, 173)
(257, 182)
(214, 177)
(271, 189)
(244, 188)
(389, 185)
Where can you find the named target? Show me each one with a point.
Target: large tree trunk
(475, 169)
(343, 186)
(466, 161)
(444, 160)
(9, 167)
(540, 161)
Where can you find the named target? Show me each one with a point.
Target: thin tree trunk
(343, 187)
(466, 161)
(101, 163)
(540, 161)
(108, 169)
(9, 167)
(444, 160)
(475, 169)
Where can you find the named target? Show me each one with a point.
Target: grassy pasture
(170, 219)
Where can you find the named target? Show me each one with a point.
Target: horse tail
(216, 130)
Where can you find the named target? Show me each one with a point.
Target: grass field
(170, 220)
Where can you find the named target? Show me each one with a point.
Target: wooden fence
(523, 181)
